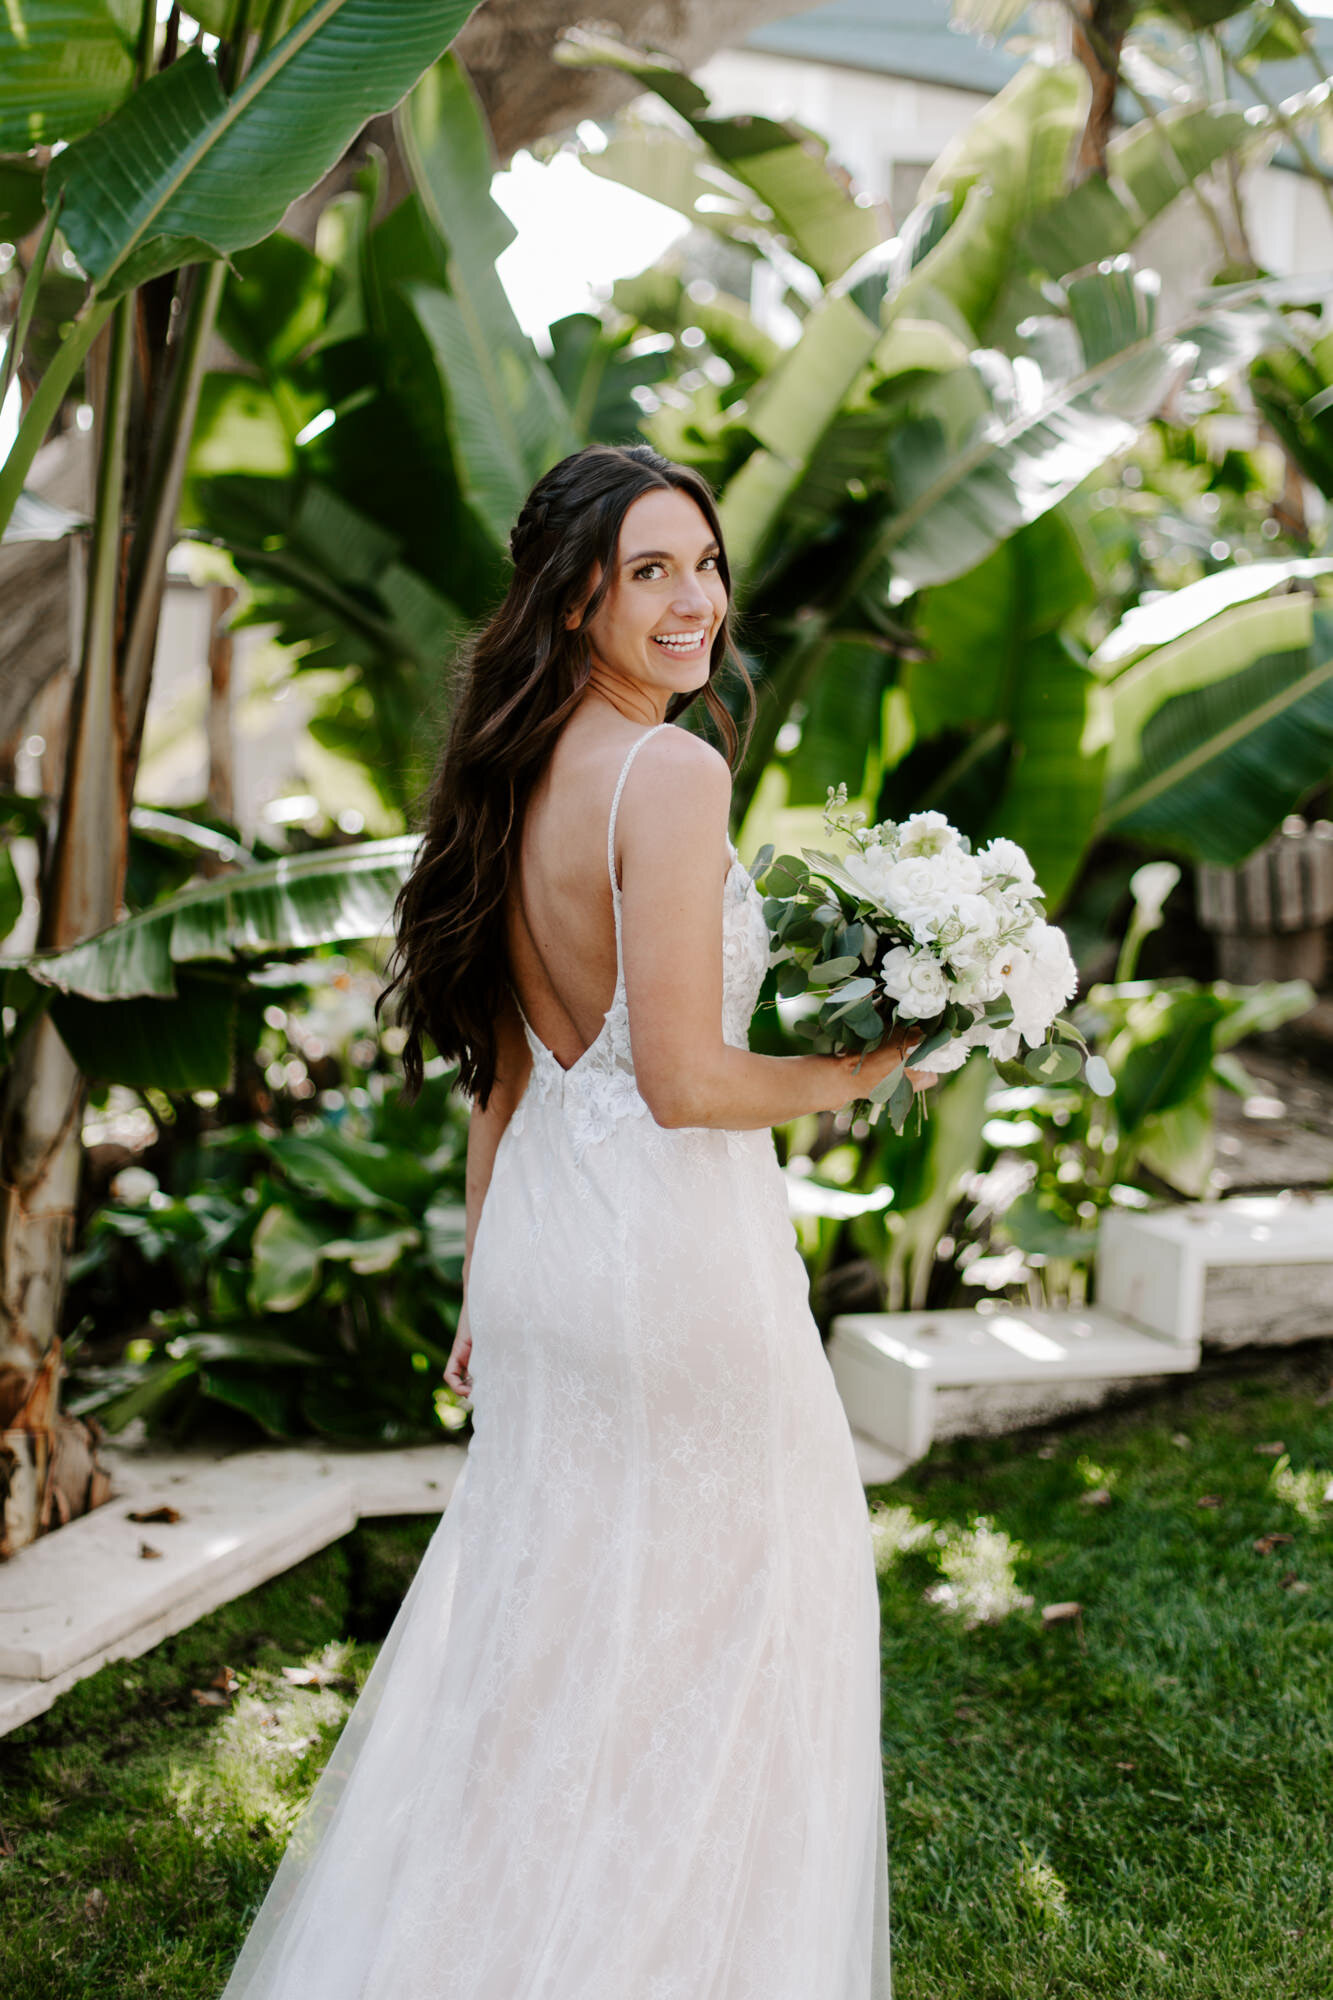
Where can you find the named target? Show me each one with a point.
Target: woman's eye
(709, 559)
(640, 573)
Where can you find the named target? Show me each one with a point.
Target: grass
(1137, 1801)
(1134, 1801)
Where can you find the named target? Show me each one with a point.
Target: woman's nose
(692, 600)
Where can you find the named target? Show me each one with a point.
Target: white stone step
(1249, 1268)
(86, 1594)
(910, 1377)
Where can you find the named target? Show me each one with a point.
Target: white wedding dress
(622, 1741)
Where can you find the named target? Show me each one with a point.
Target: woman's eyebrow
(666, 555)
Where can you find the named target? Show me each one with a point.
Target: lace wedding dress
(622, 1741)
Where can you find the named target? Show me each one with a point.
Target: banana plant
(161, 162)
(893, 478)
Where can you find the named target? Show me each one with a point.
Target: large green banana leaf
(677, 170)
(180, 172)
(1012, 158)
(1092, 380)
(785, 165)
(1147, 168)
(1231, 748)
(292, 904)
(789, 412)
(507, 417)
(63, 65)
(1177, 613)
(996, 657)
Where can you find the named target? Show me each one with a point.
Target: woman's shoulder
(681, 779)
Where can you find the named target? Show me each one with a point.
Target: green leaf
(20, 189)
(11, 893)
(185, 1043)
(368, 1255)
(240, 428)
(1039, 1231)
(830, 970)
(1175, 614)
(1107, 365)
(1147, 168)
(506, 414)
(785, 165)
(1010, 159)
(292, 904)
(1099, 1078)
(1052, 1062)
(63, 65)
(286, 1261)
(1173, 1056)
(1224, 755)
(268, 1403)
(789, 414)
(181, 173)
(274, 303)
(596, 376)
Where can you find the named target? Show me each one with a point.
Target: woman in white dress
(622, 1741)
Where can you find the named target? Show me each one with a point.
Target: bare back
(559, 923)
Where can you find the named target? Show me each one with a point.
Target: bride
(622, 1741)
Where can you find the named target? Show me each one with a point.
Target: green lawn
(1135, 1802)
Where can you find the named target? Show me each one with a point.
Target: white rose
(916, 981)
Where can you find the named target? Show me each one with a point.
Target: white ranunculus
(915, 981)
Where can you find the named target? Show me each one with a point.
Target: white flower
(980, 923)
(926, 833)
(916, 981)
(1039, 977)
(1000, 858)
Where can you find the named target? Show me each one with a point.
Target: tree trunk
(44, 1091)
(1099, 28)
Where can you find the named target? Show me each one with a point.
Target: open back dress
(623, 1739)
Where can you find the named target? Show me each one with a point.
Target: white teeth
(681, 642)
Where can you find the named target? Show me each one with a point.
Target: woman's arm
(484, 1132)
(672, 835)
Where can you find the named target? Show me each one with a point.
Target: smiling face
(655, 627)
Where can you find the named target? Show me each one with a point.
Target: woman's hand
(863, 1070)
(456, 1373)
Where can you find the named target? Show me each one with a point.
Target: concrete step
(908, 1378)
(88, 1593)
(1249, 1269)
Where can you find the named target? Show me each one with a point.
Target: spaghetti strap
(611, 824)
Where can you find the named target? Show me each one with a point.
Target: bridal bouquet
(912, 926)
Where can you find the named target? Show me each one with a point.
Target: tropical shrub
(306, 1277)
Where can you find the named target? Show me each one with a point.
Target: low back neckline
(539, 1047)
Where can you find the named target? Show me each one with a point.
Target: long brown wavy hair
(514, 688)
